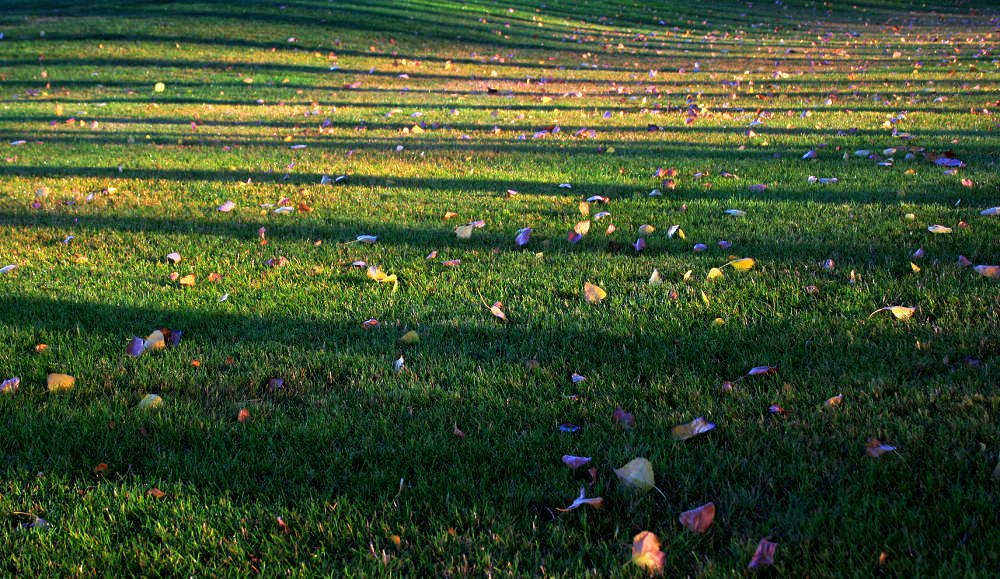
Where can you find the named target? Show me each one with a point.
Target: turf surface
(431, 108)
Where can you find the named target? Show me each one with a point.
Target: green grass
(359, 461)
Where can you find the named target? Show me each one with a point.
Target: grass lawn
(293, 437)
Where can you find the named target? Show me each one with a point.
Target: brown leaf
(700, 519)
(101, 469)
(156, 493)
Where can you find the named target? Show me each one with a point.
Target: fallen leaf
(764, 555)
(698, 520)
(741, 264)
(592, 293)
(575, 462)
(655, 278)
(990, 271)
(174, 257)
(584, 208)
(762, 371)
(135, 347)
(243, 415)
(582, 228)
(7, 269)
(624, 419)
(523, 236)
(458, 432)
(464, 231)
(10, 385)
(581, 500)
(900, 312)
(691, 429)
(834, 401)
(646, 552)
(156, 493)
(715, 273)
(646, 229)
(496, 311)
(410, 338)
(187, 280)
(60, 382)
(227, 207)
(637, 474)
(150, 401)
(875, 449)
(939, 229)
(101, 469)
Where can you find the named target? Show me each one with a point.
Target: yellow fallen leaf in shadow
(593, 293)
(691, 429)
(636, 474)
(60, 382)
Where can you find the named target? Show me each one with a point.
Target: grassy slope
(349, 453)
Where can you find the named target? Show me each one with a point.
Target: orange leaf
(101, 469)
(243, 415)
(187, 280)
(646, 552)
(593, 293)
(156, 493)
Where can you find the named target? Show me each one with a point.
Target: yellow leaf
(584, 208)
(159, 87)
(704, 298)
(745, 263)
(655, 278)
(155, 341)
(411, 337)
(582, 228)
(715, 273)
(914, 267)
(60, 382)
(834, 401)
(680, 234)
(646, 552)
(636, 474)
(150, 401)
(901, 312)
(646, 229)
(187, 280)
(687, 275)
(593, 293)
(691, 429)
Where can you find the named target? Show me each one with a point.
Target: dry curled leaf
(764, 555)
(582, 500)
